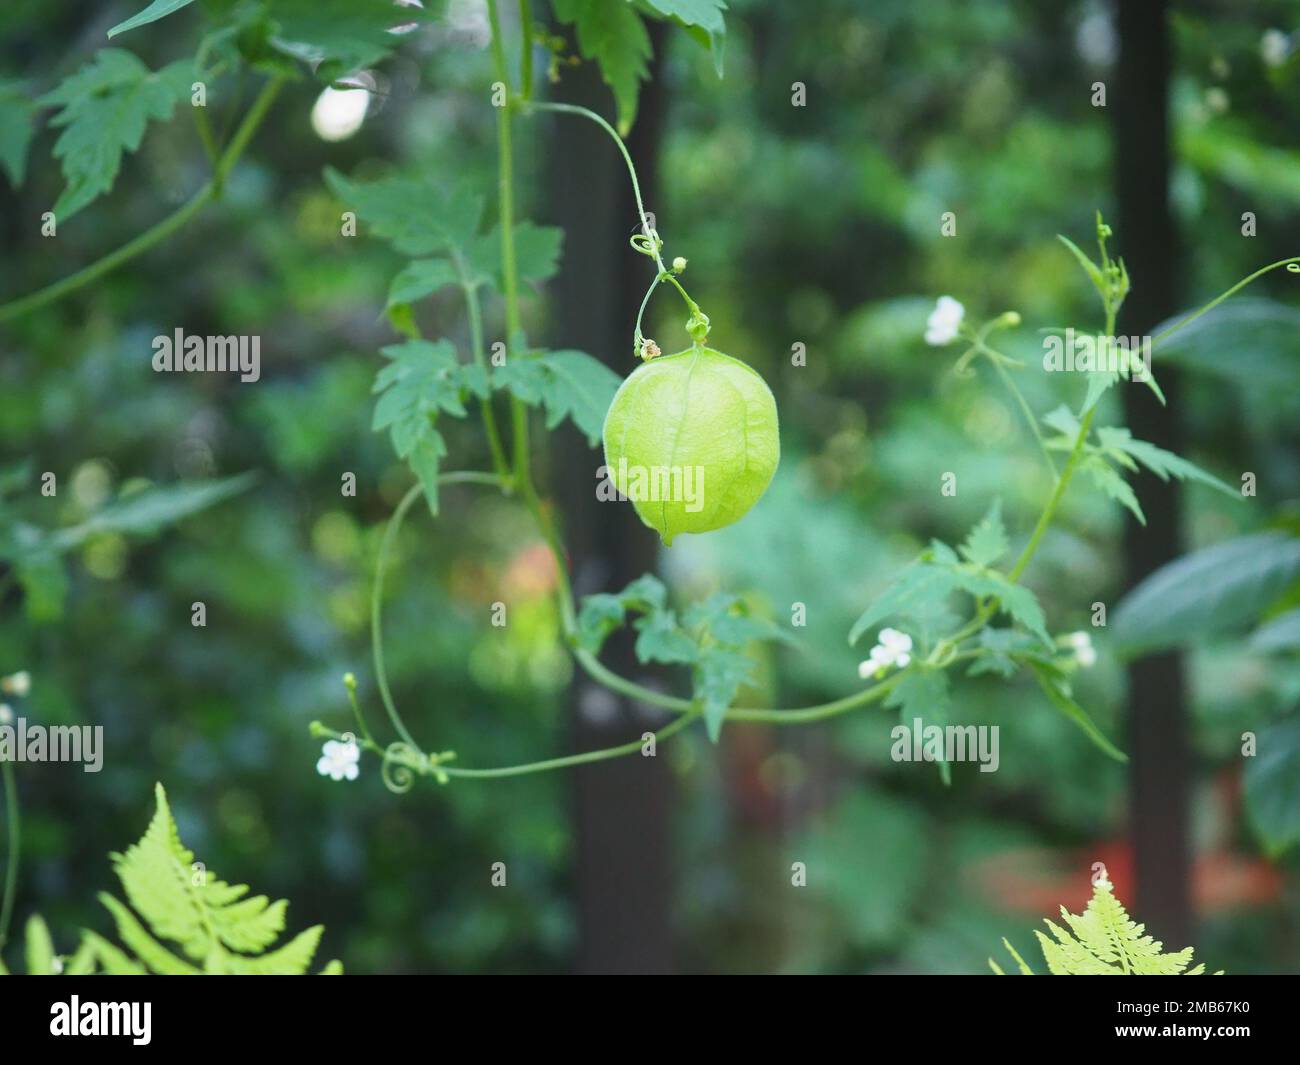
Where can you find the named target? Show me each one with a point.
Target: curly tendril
(396, 769)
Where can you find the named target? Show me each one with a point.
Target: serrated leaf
(218, 927)
(1014, 599)
(105, 109)
(1103, 475)
(614, 36)
(421, 278)
(1164, 464)
(921, 582)
(719, 675)
(599, 615)
(661, 639)
(17, 112)
(155, 11)
(537, 254)
(417, 216)
(705, 15)
(566, 383)
(987, 542)
(924, 694)
(422, 379)
(337, 37)
(1214, 591)
(1061, 699)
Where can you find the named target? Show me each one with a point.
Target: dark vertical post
(1157, 711)
(621, 808)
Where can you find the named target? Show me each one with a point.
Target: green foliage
(1214, 591)
(615, 37)
(217, 928)
(1115, 450)
(939, 572)
(16, 130)
(155, 11)
(567, 383)
(422, 379)
(104, 110)
(1272, 786)
(35, 553)
(710, 637)
(1103, 941)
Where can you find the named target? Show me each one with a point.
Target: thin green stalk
(475, 313)
(377, 589)
(1024, 408)
(160, 231)
(1292, 264)
(526, 56)
(13, 834)
(509, 267)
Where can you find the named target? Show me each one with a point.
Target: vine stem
(663, 273)
(161, 230)
(13, 832)
(377, 589)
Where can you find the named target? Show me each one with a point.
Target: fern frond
(218, 927)
(1105, 941)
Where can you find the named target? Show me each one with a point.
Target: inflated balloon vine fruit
(692, 440)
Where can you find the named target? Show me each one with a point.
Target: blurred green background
(815, 225)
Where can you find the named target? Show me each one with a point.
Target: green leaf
(924, 693)
(16, 130)
(44, 582)
(1058, 694)
(1014, 599)
(158, 9)
(337, 37)
(1273, 786)
(1164, 464)
(612, 34)
(217, 926)
(987, 542)
(599, 615)
(1281, 633)
(661, 639)
(145, 512)
(921, 583)
(423, 379)
(537, 254)
(704, 15)
(1212, 592)
(40, 948)
(105, 108)
(1105, 941)
(719, 675)
(417, 216)
(567, 383)
(1103, 475)
(1090, 268)
(421, 278)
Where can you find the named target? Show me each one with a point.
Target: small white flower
(1274, 47)
(6, 714)
(19, 684)
(941, 327)
(898, 645)
(1084, 653)
(894, 649)
(338, 761)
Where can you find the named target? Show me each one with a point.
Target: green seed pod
(692, 440)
